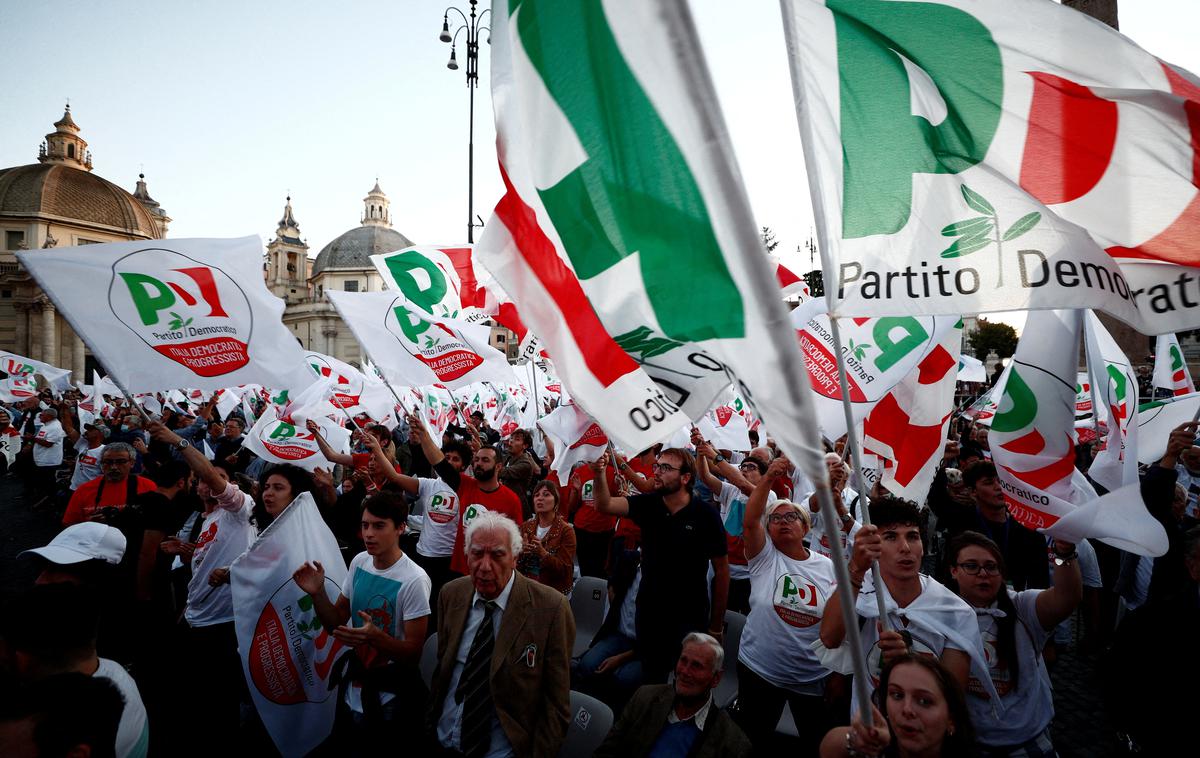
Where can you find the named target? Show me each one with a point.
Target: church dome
(353, 249)
(45, 190)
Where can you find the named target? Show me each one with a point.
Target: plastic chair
(591, 721)
(588, 599)
(429, 659)
(727, 690)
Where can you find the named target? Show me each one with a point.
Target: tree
(992, 336)
(768, 238)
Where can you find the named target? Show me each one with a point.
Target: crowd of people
(717, 566)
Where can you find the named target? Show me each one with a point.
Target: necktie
(474, 690)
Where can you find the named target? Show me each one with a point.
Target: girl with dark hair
(277, 488)
(548, 555)
(1014, 627)
(924, 713)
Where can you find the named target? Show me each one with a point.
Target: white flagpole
(856, 456)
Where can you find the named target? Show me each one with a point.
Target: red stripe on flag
(912, 445)
(935, 366)
(604, 358)
(1029, 444)
(1043, 477)
(1070, 139)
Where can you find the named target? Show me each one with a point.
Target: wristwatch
(182, 444)
(1065, 560)
(719, 459)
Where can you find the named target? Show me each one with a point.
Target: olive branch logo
(974, 234)
(859, 350)
(177, 321)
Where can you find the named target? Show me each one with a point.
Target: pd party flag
(16, 388)
(1170, 370)
(164, 314)
(624, 233)
(1156, 420)
(287, 655)
(1117, 390)
(1033, 447)
(971, 369)
(878, 354)
(576, 438)
(287, 440)
(351, 389)
(18, 365)
(969, 156)
(413, 347)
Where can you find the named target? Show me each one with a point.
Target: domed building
(344, 264)
(59, 202)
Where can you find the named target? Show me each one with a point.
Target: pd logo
(347, 391)
(190, 312)
(797, 601)
(593, 436)
(285, 441)
(439, 347)
(292, 654)
(16, 368)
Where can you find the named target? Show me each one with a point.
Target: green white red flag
(907, 428)
(165, 314)
(1033, 446)
(1171, 371)
(18, 365)
(968, 156)
(1116, 383)
(624, 234)
(413, 347)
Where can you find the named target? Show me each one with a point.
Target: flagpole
(141, 411)
(537, 404)
(856, 456)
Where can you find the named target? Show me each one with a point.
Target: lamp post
(473, 26)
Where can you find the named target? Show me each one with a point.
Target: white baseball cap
(84, 542)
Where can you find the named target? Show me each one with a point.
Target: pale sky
(229, 105)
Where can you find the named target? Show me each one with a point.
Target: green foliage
(989, 336)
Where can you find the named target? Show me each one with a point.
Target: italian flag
(624, 235)
(1033, 446)
(972, 155)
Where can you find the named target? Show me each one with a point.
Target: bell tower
(287, 260)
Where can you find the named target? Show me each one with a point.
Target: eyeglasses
(784, 518)
(665, 467)
(748, 466)
(974, 568)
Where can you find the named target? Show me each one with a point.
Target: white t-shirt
(390, 597)
(133, 733)
(52, 455)
(821, 545)
(1029, 706)
(225, 534)
(733, 510)
(87, 463)
(439, 502)
(787, 599)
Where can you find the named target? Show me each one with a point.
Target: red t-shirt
(83, 503)
(472, 499)
(587, 517)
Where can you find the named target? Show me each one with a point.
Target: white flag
(18, 365)
(970, 369)
(725, 428)
(16, 388)
(413, 347)
(288, 440)
(355, 391)
(1157, 419)
(287, 655)
(1171, 371)
(164, 314)
(1117, 390)
(577, 438)
(968, 156)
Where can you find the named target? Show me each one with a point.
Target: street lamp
(473, 27)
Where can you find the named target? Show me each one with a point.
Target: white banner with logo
(18, 365)
(164, 314)
(413, 347)
(287, 655)
(288, 440)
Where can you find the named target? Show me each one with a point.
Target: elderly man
(47, 440)
(117, 487)
(502, 683)
(679, 719)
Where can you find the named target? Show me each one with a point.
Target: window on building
(82, 241)
(351, 285)
(500, 339)
(13, 240)
(6, 294)
(320, 290)
(70, 151)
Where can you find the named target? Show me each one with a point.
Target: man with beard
(681, 536)
(479, 493)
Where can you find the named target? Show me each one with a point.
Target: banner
(1116, 385)
(1170, 369)
(12, 364)
(1157, 419)
(287, 655)
(354, 390)
(971, 369)
(970, 156)
(877, 352)
(725, 428)
(164, 314)
(1033, 447)
(624, 233)
(413, 347)
(17, 388)
(287, 440)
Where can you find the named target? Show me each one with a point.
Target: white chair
(587, 606)
(727, 690)
(429, 659)
(591, 721)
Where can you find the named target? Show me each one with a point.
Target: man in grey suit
(679, 719)
(502, 683)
